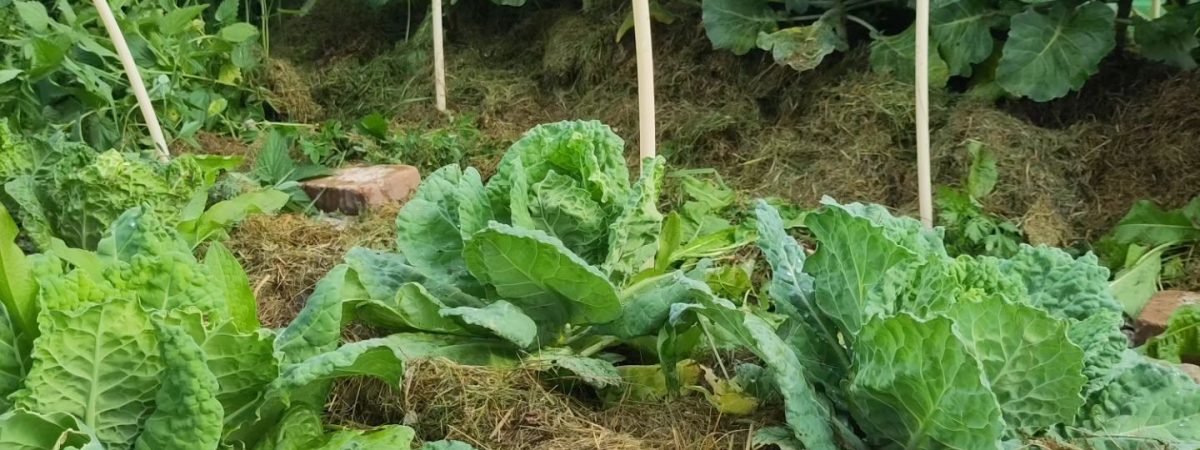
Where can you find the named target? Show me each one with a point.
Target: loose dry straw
(135, 78)
(439, 58)
(645, 76)
(924, 189)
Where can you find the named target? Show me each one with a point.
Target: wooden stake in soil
(645, 76)
(439, 58)
(135, 78)
(924, 188)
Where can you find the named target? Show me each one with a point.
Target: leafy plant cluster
(66, 193)
(969, 229)
(1036, 49)
(1148, 245)
(60, 69)
(141, 345)
(880, 339)
(552, 263)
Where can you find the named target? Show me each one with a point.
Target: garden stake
(924, 189)
(439, 58)
(645, 77)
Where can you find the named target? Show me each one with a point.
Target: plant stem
(860, 21)
(1124, 9)
(599, 345)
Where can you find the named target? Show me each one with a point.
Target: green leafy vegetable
(918, 386)
(1065, 42)
(188, 415)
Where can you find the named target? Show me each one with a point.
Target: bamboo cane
(924, 188)
(439, 58)
(645, 77)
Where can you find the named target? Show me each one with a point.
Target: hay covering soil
(287, 254)
(502, 409)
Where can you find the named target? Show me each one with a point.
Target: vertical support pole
(135, 78)
(925, 187)
(645, 77)
(1155, 9)
(439, 58)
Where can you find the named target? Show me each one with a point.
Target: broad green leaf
(500, 318)
(427, 228)
(804, 47)
(633, 235)
(594, 372)
(1064, 286)
(382, 274)
(734, 25)
(412, 308)
(895, 55)
(178, 20)
(474, 211)
(1145, 403)
(1149, 225)
(378, 358)
(713, 245)
(318, 327)
(917, 386)
(1103, 344)
(852, 258)
(519, 197)
(561, 207)
(157, 266)
(299, 428)
(238, 32)
(100, 364)
(228, 11)
(12, 361)
(1050, 54)
(1035, 372)
(7, 75)
(807, 416)
(534, 272)
(1181, 341)
(243, 364)
(961, 32)
(981, 180)
(231, 281)
(1170, 38)
(471, 351)
(215, 222)
(388, 437)
(33, 14)
(187, 414)
(1135, 284)
(810, 334)
(646, 304)
(24, 192)
(17, 291)
(26, 430)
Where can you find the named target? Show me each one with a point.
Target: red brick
(1154, 317)
(1192, 370)
(351, 190)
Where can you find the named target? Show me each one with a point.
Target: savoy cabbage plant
(555, 258)
(879, 339)
(66, 191)
(141, 345)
